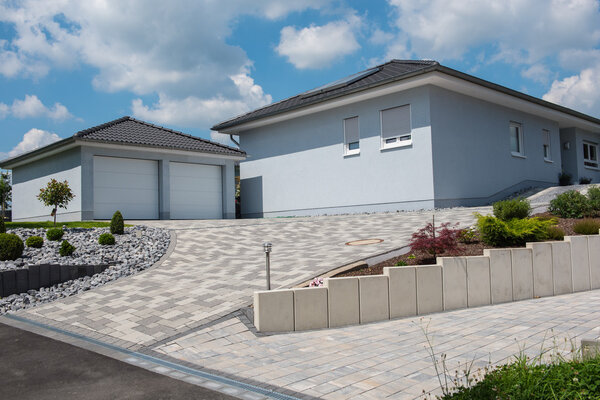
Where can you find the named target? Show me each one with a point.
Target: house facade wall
(472, 159)
(573, 162)
(28, 179)
(164, 158)
(298, 167)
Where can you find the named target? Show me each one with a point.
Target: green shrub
(564, 179)
(117, 226)
(594, 201)
(534, 380)
(571, 204)
(516, 232)
(468, 235)
(11, 247)
(585, 180)
(555, 233)
(35, 242)
(401, 263)
(587, 226)
(54, 234)
(511, 209)
(106, 239)
(66, 249)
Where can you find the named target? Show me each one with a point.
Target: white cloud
(522, 31)
(537, 73)
(580, 92)
(33, 139)
(32, 107)
(178, 50)
(319, 46)
(221, 138)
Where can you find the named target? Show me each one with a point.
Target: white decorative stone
(403, 291)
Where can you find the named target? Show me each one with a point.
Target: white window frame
(402, 140)
(347, 150)
(548, 156)
(519, 126)
(589, 160)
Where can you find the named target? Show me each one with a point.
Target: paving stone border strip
(34, 277)
(500, 275)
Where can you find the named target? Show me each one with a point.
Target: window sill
(404, 143)
(592, 168)
(352, 153)
(518, 155)
(548, 161)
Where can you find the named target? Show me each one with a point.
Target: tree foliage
(56, 195)
(435, 240)
(5, 192)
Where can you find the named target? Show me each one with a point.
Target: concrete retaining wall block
(561, 268)
(580, 262)
(500, 274)
(454, 281)
(522, 273)
(594, 256)
(478, 281)
(403, 291)
(310, 308)
(542, 269)
(374, 298)
(429, 289)
(342, 295)
(274, 310)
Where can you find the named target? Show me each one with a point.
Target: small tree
(5, 192)
(56, 195)
(434, 240)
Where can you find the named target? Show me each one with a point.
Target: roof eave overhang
(439, 76)
(42, 152)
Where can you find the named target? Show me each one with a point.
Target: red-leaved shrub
(435, 240)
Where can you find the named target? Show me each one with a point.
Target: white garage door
(127, 185)
(196, 191)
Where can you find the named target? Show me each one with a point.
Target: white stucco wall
(298, 167)
(573, 156)
(30, 178)
(472, 160)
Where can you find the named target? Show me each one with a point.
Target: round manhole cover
(364, 242)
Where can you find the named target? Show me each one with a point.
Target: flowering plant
(317, 282)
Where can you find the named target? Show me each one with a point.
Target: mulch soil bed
(464, 249)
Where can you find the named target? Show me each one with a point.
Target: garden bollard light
(267, 246)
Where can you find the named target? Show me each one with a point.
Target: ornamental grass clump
(11, 247)
(35, 242)
(587, 226)
(117, 225)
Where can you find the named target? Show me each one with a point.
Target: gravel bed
(139, 248)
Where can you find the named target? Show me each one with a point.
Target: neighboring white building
(143, 170)
(406, 135)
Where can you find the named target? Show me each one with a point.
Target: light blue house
(402, 136)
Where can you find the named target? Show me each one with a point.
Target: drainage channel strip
(142, 360)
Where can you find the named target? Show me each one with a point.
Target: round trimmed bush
(106, 239)
(34, 241)
(54, 234)
(11, 247)
(571, 204)
(66, 249)
(117, 226)
(511, 209)
(587, 226)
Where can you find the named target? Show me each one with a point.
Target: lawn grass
(50, 224)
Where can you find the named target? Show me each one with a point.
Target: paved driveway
(217, 265)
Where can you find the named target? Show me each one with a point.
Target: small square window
(396, 128)
(590, 154)
(353, 146)
(516, 139)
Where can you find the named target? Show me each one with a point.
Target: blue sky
(67, 65)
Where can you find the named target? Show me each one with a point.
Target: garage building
(143, 170)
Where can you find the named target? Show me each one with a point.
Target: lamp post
(267, 247)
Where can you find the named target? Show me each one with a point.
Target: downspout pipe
(233, 140)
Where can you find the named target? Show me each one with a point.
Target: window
(546, 145)
(590, 154)
(351, 136)
(516, 139)
(396, 127)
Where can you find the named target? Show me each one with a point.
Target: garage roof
(130, 131)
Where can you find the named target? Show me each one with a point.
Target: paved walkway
(217, 265)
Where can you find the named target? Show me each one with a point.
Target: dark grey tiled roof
(129, 130)
(390, 71)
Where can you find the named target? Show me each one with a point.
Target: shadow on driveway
(36, 367)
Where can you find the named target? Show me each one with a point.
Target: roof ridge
(101, 126)
(183, 134)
